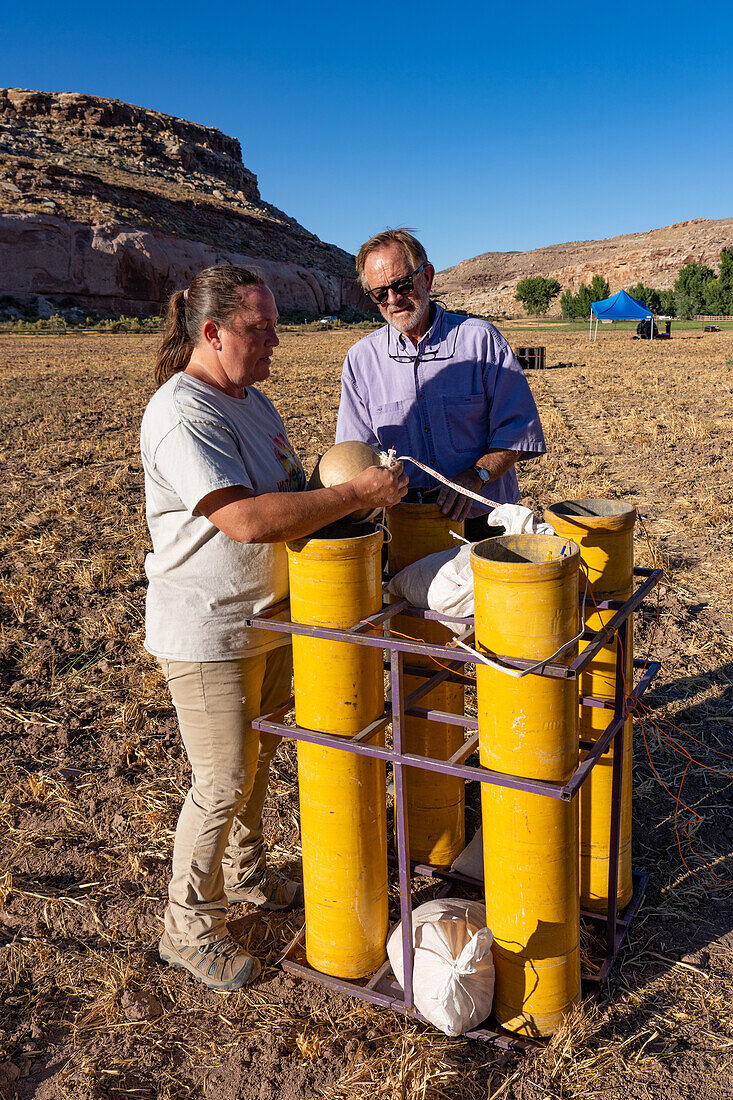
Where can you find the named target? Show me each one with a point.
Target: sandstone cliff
(486, 283)
(114, 206)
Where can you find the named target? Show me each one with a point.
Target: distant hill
(115, 206)
(486, 283)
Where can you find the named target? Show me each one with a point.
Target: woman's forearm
(276, 517)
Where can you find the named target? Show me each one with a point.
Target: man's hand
(496, 462)
(455, 505)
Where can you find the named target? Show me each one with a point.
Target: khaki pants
(219, 838)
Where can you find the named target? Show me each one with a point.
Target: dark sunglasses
(403, 285)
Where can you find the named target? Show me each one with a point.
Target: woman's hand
(380, 486)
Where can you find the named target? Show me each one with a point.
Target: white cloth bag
(470, 861)
(453, 973)
(444, 581)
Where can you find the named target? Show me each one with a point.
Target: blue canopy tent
(619, 307)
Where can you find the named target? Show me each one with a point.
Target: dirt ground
(92, 774)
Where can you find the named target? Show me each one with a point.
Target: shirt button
(422, 396)
(426, 431)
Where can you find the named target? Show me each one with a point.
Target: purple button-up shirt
(458, 395)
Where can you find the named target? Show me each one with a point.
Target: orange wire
(409, 638)
(690, 759)
(661, 781)
(677, 798)
(697, 741)
(677, 832)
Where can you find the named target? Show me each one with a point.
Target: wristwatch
(483, 474)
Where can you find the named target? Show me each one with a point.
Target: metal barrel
(435, 804)
(531, 358)
(335, 581)
(604, 531)
(526, 594)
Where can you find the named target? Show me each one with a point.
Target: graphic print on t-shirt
(295, 481)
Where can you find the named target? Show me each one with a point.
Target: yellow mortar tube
(604, 531)
(335, 581)
(526, 597)
(435, 804)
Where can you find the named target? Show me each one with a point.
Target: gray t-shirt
(195, 439)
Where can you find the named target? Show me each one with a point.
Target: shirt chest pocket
(390, 423)
(467, 423)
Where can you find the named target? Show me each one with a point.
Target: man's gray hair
(414, 251)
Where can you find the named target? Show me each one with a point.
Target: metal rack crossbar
(382, 987)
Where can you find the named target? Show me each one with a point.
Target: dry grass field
(92, 774)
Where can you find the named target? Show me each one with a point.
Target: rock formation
(111, 207)
(486, 284)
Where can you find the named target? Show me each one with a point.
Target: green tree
(690, 288)
(567, 305)
(583, 301)
(599, 288)
(685, 305)
(667, 303)
(536, 292)
(577, 306)
(713, 297)
(725, 280)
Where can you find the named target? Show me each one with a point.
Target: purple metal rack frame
(382, 988)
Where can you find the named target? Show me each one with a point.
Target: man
(442, 388)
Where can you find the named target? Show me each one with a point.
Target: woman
(224, 490)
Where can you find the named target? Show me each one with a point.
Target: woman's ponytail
(175, 351)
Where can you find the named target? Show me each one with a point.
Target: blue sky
(485, 127)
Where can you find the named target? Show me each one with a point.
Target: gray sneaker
(268, 890)
(219, 965)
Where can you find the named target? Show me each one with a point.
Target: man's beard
(407, 322)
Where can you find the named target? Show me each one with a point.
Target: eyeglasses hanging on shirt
(397, 347)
